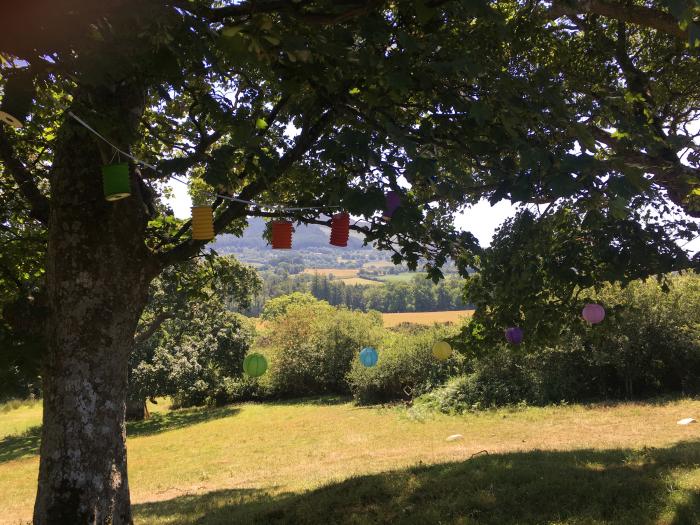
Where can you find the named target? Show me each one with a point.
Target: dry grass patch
(262, 457)
(338, 273)
(362, 281)
(426, 318)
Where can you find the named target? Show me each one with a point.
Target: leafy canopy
(319, 103)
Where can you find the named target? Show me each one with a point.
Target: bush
(495, 381)
(311, 346)
(406, 367)
(236, 390)
(192, 359)
(648, 345)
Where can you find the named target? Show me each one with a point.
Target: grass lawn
(328, 461)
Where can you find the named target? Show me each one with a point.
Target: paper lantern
(255, 364)
(514, 335)
(10, 119)
(340, 229)
(369, 356)
(281, 235)
(593, 313)
(393, 201)
(115, 181)
(442, 350)
(202, 223)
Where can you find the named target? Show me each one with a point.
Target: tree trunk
(136, 409)
(98, 272)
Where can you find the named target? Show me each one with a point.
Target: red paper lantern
(340, 229)
(281, 235)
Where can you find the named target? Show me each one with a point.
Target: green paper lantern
(115, 179)
(255, 364)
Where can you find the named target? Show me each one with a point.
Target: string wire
(278, 207)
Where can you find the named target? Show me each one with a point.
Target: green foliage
(193, 359)
(648, 345)
(406, 367)
(189, 343)
(278, 306)
(312, 346)
(539, 271)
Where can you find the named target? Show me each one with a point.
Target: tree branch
(38, 202)
(635, 14)
(238, 210)
(350, 10)
(157, 322)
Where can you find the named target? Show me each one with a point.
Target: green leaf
(354, 91)
(261, 124)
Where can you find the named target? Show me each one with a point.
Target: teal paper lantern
(255, 364)
(369, 356)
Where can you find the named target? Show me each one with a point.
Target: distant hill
(309, 238)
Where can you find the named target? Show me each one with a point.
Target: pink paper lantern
(593, 313)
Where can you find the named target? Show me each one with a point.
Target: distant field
(338, 273)
(360, 280)
(401, 277)
(378, 264)
(426, 317)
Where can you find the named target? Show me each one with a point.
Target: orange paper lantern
(340, 229)
(281, 235)
(202, 223)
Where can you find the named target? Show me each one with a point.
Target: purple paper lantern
(514, 335)
(393, 201)
(593, 313)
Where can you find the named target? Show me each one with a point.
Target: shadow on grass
(15, 447)
(27, 444)
(618, 486)
(174, 419)
(328, 400)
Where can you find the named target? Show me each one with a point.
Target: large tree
(308, 104)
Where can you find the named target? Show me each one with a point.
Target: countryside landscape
(365, 262)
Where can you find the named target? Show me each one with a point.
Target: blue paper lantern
(369, 356)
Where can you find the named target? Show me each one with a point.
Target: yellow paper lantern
(202, 223)
(442, 350)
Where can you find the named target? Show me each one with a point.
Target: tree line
(415, 295)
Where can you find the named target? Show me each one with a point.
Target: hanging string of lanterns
(15, 108)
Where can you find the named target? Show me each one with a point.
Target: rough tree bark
(98, 274)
